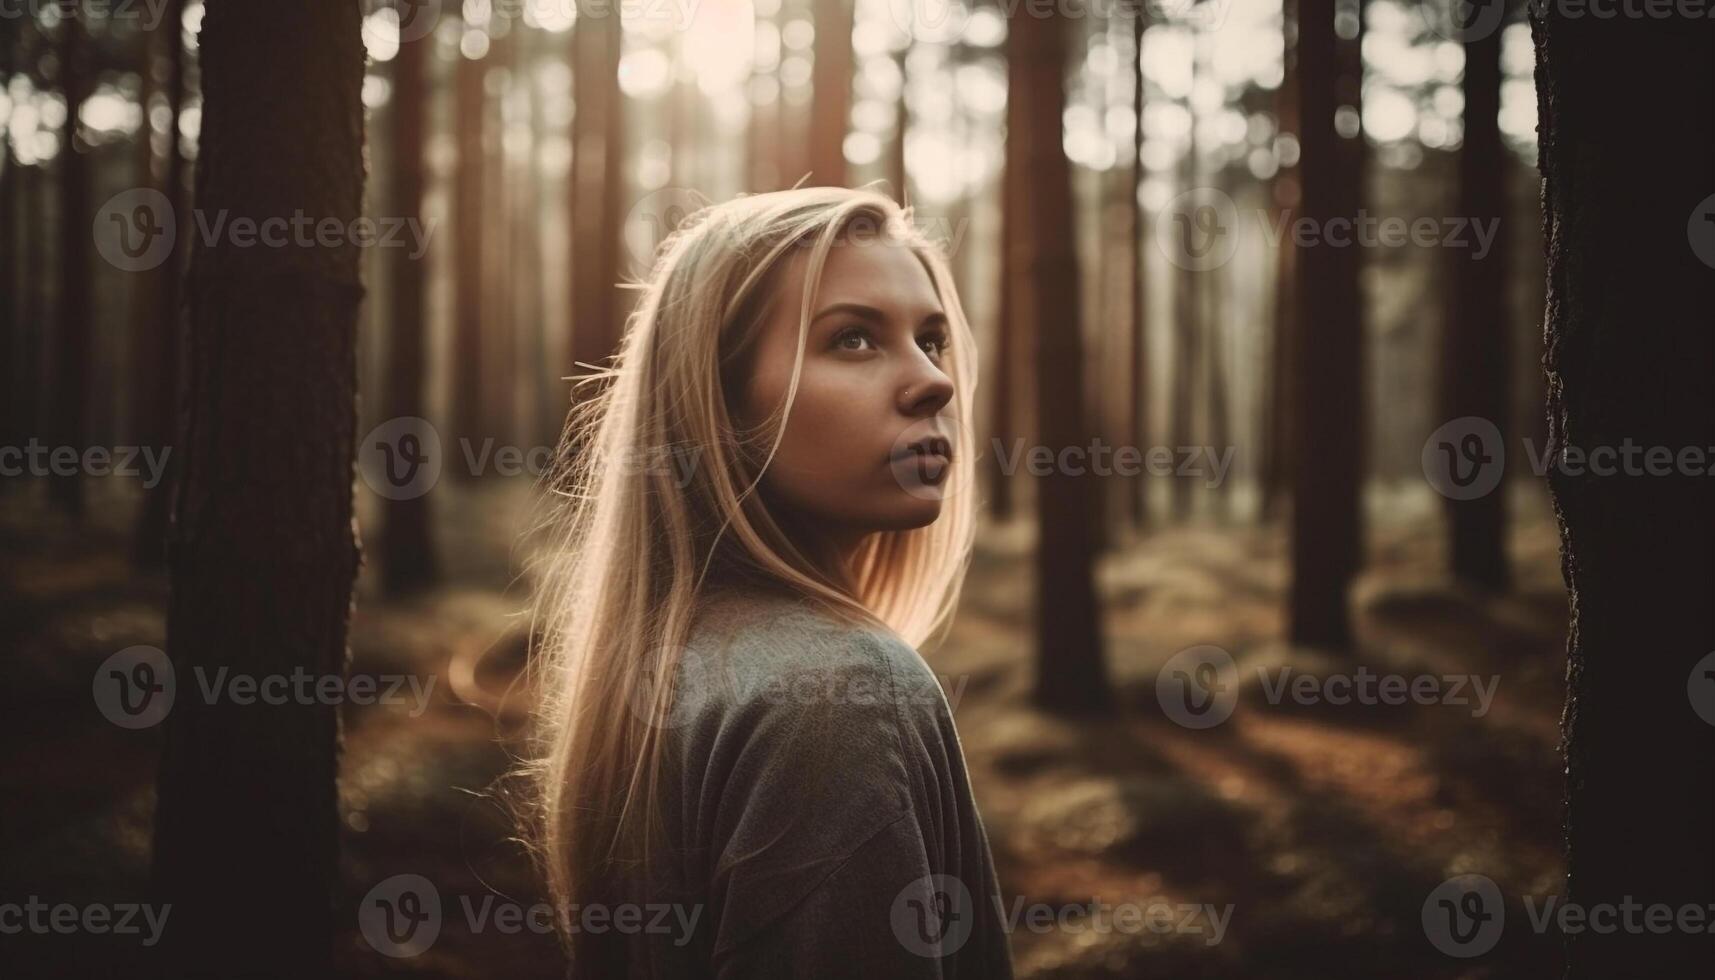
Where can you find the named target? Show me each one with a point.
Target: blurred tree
(407, 548)
(1071, 671)
(1014, 286)
(14, 429)
(73, 350)
(1138, 412)
(1629, 349)
(161, 323)
(469, 118)
(831, 91)
(1476, 356)
(265, 550)
(1277, 400)
(1327, 407)
(1188, 299)
(598, 188)
(500, 326)
(896, 173)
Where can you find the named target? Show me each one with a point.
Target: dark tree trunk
(160, 343)
(831, 92)
(1139, 331)
(1327, 406)
(896, 173)
(467, 360)
(14, 372)
(598, 189)
(1276, 402)
(1187, 337)
(265, 554)
(69, 424)
(500, 323)
(1476, 356)
(1071, 673)
(1630, 344)
(1014, 297)
(407, 545)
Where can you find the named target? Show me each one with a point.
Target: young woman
(743, 768)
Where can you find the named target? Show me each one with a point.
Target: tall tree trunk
(14, 430)
(1327, 375)
(598, 189)
(1139, 330)
(265, 552)
(160, 341)
(407, 544)
(1276, 429)
(1014, 288)
(1188, 302)
(831, 91)
(73, 348)
(1071, 672)
(896, 172)
(1476, 356)
(1630, 344)
(500, 327)
(469, 115)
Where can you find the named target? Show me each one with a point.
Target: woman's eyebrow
(871, 313)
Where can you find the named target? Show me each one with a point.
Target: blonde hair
(626, 547)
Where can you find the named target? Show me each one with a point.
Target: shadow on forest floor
(1315, 831)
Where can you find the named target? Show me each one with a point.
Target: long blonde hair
(626, 547)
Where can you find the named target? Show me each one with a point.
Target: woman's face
(868, 442)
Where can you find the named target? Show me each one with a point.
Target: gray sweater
(818, 813)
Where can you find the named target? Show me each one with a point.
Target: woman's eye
(853, 339)
(934, 345)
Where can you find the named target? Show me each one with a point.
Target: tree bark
(831, 92)
(72, 349)
(265, 554)
(1476, 356)
(1139, 330)
(407, 544)
(598, 188)
(1328, 343)
(1071, 670)
(470, 103)
(1630, 344)
(161, 341)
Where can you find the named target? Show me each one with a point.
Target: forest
(1343, 594)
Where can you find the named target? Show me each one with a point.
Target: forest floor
(1310, 835)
